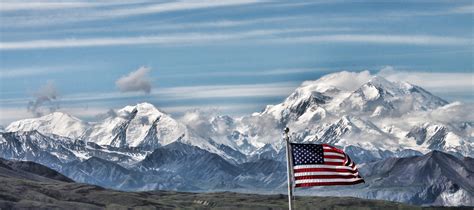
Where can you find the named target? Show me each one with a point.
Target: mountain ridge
(142, 148)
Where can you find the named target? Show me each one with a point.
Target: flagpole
(288, 157)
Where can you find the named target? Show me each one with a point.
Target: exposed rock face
(142, 148)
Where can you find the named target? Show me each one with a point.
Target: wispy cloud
(466, 9)
(198, 92)
(248, 73)
(220, 108)
(377, 39)
(437, 81)
(173, 94)
(6, 73)
(268, 35)
(170, 39)
(447, 85)
(177, 6)
(278, 89)
(7, 6)
(96, 11)
(10, 114)
(228, 91)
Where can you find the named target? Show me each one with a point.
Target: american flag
(322, 165)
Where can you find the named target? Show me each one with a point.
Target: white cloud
(178, 6)
(271, 72)
(183, 38)
(34, 71)
(344, 80)
(279, 89)
(196, 38)
(135, 81)
(227, 91)
(142, 8)
(376, 39)
(220, 109)
(49, 5)
(435, 81)
(93, 11)
(46, 100)
(466, 9)
(10, 114)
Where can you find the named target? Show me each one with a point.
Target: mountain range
(28, 185)
(391, 128)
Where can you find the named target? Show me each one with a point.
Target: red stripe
(335, 151)
(324, 169)
(333, 148)
(328, 183)
(326, 177)
(333, 164)
(334, 157)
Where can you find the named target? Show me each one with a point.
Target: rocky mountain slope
(30, 185)
(142, 148)
(436, 178)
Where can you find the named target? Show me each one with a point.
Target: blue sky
(235, 56)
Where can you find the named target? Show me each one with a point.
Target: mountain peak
(57, 123)
(143, 107)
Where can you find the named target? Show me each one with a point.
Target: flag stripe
(333, 151)
(333, 163)
(334, 160)
(322, 165)
(304, 174)
(322, 177)
(326, 180)
(328, 183)
(334, 157)
(325, 169)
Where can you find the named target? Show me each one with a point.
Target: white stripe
(324, 173)
(322, 166)
(335, 154)
(303, 181)
(333, 160)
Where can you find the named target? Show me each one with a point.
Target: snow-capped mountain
(142, 126)
(142, 148)
(379, 97)
(344, 108)
(361, 110)
(136, 126)
(55, 123)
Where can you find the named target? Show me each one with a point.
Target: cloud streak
(178, 6)
(8, 6)
(376, 39)
(97, 11)
(172, 39)
(35, 71)
(437, 81)
(268, 36)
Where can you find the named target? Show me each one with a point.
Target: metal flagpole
(288, 160)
